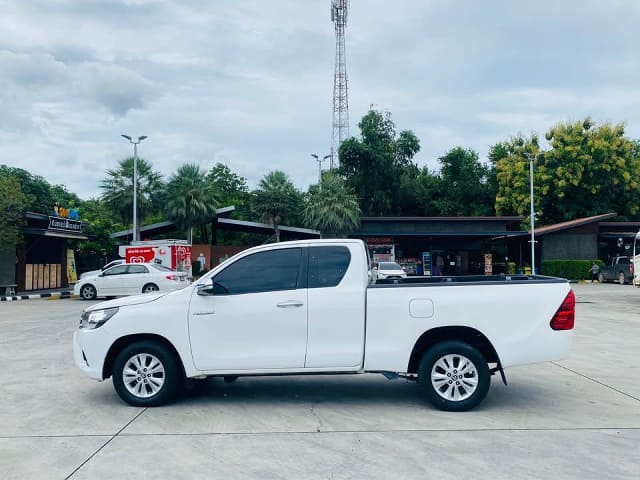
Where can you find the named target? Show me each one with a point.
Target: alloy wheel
(454, 377)
(143, 375)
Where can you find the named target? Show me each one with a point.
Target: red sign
(139, 254)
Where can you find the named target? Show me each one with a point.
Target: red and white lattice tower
(340, 132)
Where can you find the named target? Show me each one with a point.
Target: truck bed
(464, 280)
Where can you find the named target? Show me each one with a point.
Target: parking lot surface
(579, 418)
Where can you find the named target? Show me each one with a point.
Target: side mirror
(205, 289)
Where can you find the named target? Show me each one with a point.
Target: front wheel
(146, 374)
(621, 278)
(88, 292)
(454, 376)
(600, 278)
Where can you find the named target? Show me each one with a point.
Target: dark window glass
(138, 269)
(162, 268)
(327, 266)
(261, 272)
(119, 270)
(624, 261)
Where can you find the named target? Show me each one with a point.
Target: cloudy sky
(249, 82)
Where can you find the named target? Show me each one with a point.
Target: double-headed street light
(319, 160)
(135, 183)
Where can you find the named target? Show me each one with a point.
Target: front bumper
(89, 353)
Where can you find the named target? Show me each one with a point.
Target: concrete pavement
(579, 418)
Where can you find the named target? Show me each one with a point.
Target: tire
(149, 288)
(159, 387)
(441, 362)
(600, 278)
(88, 292)
(621, 278)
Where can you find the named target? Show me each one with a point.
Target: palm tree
(118, 189)
(276, 200)
(190, 199)
(332, 207)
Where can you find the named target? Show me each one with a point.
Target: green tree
(589, 170)
(13, 204)
(101, 223)
(190, 199)
(231, 189)
(373, 164)
(277, 200)
(37, 190)
(332, 207)
(117, 190)
(465, 184)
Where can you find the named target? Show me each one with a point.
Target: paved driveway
(574, 419)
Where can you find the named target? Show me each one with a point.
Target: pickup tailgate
(515, 318)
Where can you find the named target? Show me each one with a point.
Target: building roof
(225, 224)
(443, 219)
(578, 222)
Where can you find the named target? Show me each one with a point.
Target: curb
(48, 296)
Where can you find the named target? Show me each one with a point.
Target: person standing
(595, 270)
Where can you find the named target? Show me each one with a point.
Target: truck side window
(261, 272)
(327, 265)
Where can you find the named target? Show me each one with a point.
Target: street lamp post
(319, 160)
(135, 144)
(532, 213)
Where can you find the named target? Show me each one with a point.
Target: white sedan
(389, 270)
(93, 273)
(130, 279)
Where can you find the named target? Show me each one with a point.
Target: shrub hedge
(569, 269)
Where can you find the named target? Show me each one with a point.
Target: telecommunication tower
(339, 9)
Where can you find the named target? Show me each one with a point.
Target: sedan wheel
(600, 278)
(88, 292)
(621, 278)
(454, 376)
(150, 287)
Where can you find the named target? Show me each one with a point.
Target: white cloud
(249, 83)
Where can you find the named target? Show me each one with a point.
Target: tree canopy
(277, 200)
(331, 207)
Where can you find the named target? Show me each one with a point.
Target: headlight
(97, 318)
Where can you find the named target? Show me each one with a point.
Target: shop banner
(72, 275)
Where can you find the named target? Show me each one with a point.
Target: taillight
(172, 277)
(566, 314)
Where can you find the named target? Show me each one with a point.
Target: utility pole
(532, 213)
(136, 233)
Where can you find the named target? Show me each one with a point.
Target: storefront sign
(379, 241)
(70, 213)
(64, 224)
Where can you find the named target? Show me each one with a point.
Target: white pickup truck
(309, 307)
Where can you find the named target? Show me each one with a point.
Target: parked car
(389, 270)
(92, 273)
(307, 307)
(617, 269)
(130, 279)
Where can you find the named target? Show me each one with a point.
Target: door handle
(290, 303)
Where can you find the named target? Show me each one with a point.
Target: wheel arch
(123, 342)
(439, 334)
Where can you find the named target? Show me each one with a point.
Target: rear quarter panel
(514, 317)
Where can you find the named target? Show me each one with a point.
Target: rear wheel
(150, 287)
(621, 278)
(454, 376)
(146, 374)
(600, 278)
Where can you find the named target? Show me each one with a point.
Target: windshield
(389, 266)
